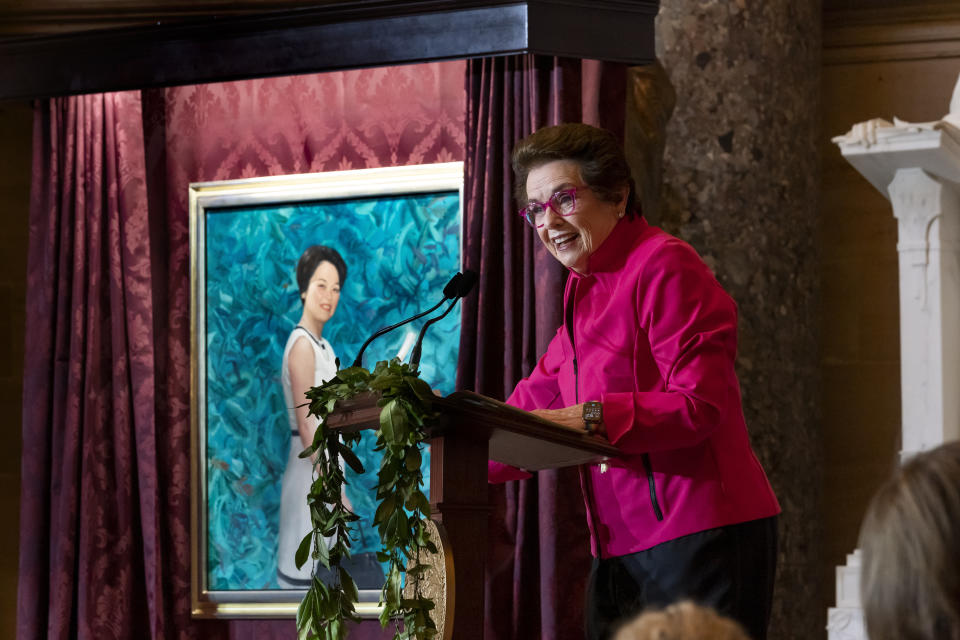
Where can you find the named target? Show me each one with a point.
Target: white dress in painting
(298, 476)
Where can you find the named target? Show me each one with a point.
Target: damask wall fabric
(379, 117)
(105, 549)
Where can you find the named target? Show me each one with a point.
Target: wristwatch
(592, 416)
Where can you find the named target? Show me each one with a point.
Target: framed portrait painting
(398, 232)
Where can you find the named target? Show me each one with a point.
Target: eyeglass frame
(572, 192)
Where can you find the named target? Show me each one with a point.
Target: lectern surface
(516, 437)
(521, 439)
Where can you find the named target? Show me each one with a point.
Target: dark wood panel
(869, 5)
(335, 36)
(842, 16)
(912, 31)
(49, 17)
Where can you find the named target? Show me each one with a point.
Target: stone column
(741, 185)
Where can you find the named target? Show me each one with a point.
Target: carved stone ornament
(845, 624)
(916, 199)
(875, 130)
(436, 582)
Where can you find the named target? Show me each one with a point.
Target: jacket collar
(612, 254)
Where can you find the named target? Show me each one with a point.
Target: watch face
(592, 412)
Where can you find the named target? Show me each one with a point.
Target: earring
(622, 213)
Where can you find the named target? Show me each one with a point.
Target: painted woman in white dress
(308, 361)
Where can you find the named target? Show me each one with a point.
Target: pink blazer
(650, 333)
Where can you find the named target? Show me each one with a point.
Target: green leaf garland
(400, 518)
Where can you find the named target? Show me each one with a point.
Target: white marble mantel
(917, 167)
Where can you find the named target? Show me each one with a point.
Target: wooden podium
(473, 429)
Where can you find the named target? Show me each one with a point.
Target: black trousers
(730, 569)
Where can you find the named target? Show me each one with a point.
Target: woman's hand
(570, 417)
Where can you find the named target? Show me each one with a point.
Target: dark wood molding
(51, 17)
(335, 36)
(915, 32)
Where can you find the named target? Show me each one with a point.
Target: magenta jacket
(650, 333)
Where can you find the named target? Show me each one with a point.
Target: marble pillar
(740, 183)
(917, 166)
(928, 214)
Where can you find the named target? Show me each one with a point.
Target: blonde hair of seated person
(682, 621)
(910, 540)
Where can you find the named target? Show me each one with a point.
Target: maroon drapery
(538, 556)
(89, 510)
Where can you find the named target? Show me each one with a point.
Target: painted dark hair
(910, 539)
(311, 259)
(603, 165)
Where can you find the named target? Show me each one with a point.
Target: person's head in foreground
(573, 186)
(910, 540)
(681, 621)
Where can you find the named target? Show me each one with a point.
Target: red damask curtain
(90, 564)
(538, 557)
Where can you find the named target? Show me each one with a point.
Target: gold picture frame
(227, 214)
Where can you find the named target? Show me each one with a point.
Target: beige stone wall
(15, 145)
(887, 63)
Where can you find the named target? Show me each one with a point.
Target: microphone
(449, 291)
(466, 284)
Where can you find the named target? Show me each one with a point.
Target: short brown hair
(603, 165)
(910, 540)
(682, 621)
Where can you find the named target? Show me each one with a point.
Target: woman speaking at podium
(645, 357)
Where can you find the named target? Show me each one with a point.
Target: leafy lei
(406, 411)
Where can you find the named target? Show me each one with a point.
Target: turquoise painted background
(400, 252)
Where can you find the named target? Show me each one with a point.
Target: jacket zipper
(648, 467)
(653, 487)
(588, 478)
